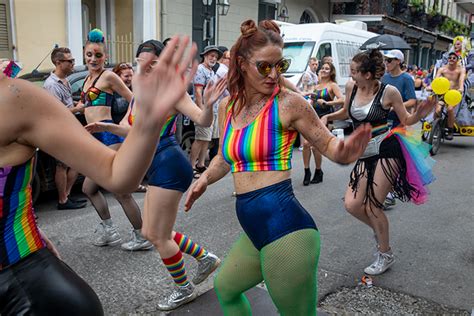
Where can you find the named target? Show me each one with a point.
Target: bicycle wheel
(435, 137)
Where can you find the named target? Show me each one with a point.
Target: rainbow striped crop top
(168, 129)
(19, 235)
(262, 145)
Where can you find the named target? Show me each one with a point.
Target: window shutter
(6, 49)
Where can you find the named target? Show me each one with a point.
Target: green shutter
(6, 49)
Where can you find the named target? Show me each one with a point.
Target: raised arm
(392, 98)
(297, 114)
(202, 116)
(44, 124)
(218, 167)
(119, 86)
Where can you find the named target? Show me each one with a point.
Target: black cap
(150, 46)
(211, 48)
(223, 49)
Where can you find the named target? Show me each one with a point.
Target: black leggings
(41, 284)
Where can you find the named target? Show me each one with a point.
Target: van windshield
(299, 54)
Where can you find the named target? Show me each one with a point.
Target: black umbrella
(385, 42)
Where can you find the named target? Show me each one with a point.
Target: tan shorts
(203, 133)
(207, 133)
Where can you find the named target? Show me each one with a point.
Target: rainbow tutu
(419, 164)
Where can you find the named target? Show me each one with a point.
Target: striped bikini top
(262, 145)
(323, 94)
(19, 235)
(376, 115)
(96, 97)
(168, 129)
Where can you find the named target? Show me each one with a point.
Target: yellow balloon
(452, 97)
(440, 85)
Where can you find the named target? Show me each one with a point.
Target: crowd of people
(252, 116)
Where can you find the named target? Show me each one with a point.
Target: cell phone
(12, 69)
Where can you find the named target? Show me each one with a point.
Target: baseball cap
(395, 53)
(211, 48)
(150, 46)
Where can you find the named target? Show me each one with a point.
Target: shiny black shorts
(41, 284)
(270, 213)
(170, 168)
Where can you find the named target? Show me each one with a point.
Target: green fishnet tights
(288, 265)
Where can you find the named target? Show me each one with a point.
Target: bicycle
(435, 132)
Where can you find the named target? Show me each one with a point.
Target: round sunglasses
(264, 68)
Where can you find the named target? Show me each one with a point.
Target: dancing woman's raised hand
(158, 87)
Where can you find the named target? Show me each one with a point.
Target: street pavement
(433, 243)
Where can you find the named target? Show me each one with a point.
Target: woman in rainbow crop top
(394, 159)
(259, 123)
(169, 176)
(98, 97)
(33, 280)
(325, 97)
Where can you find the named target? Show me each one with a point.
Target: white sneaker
(383, 261)
(107, 236)
(180, 296)
(206, 266)
(136, 242)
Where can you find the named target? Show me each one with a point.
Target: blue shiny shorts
(108, 138)
(270, 213)
(170, 168)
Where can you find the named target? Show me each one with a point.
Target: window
(345, 52)
(266, 11)
(299, 54)
(324, 50)
(6, 46)
(306, 18)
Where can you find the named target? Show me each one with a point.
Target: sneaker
(180, 296)
(307, 176)
(449, 134)
(206, 266)
(70, 205)
(136, 242)
(318, 176)
(389, 202)
(109, 236)
(383, 261)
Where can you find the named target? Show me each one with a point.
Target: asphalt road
(433, 243)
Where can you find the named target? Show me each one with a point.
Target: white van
(341, 41)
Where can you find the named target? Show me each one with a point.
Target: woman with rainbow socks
(395, 161)
(259, 123)
(33, 279)
(169, 176)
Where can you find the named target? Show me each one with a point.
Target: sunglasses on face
(125, 66)
(71, 61)
(264, 68)
(389, 60)
(452, 58)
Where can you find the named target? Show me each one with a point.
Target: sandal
(197, 171)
